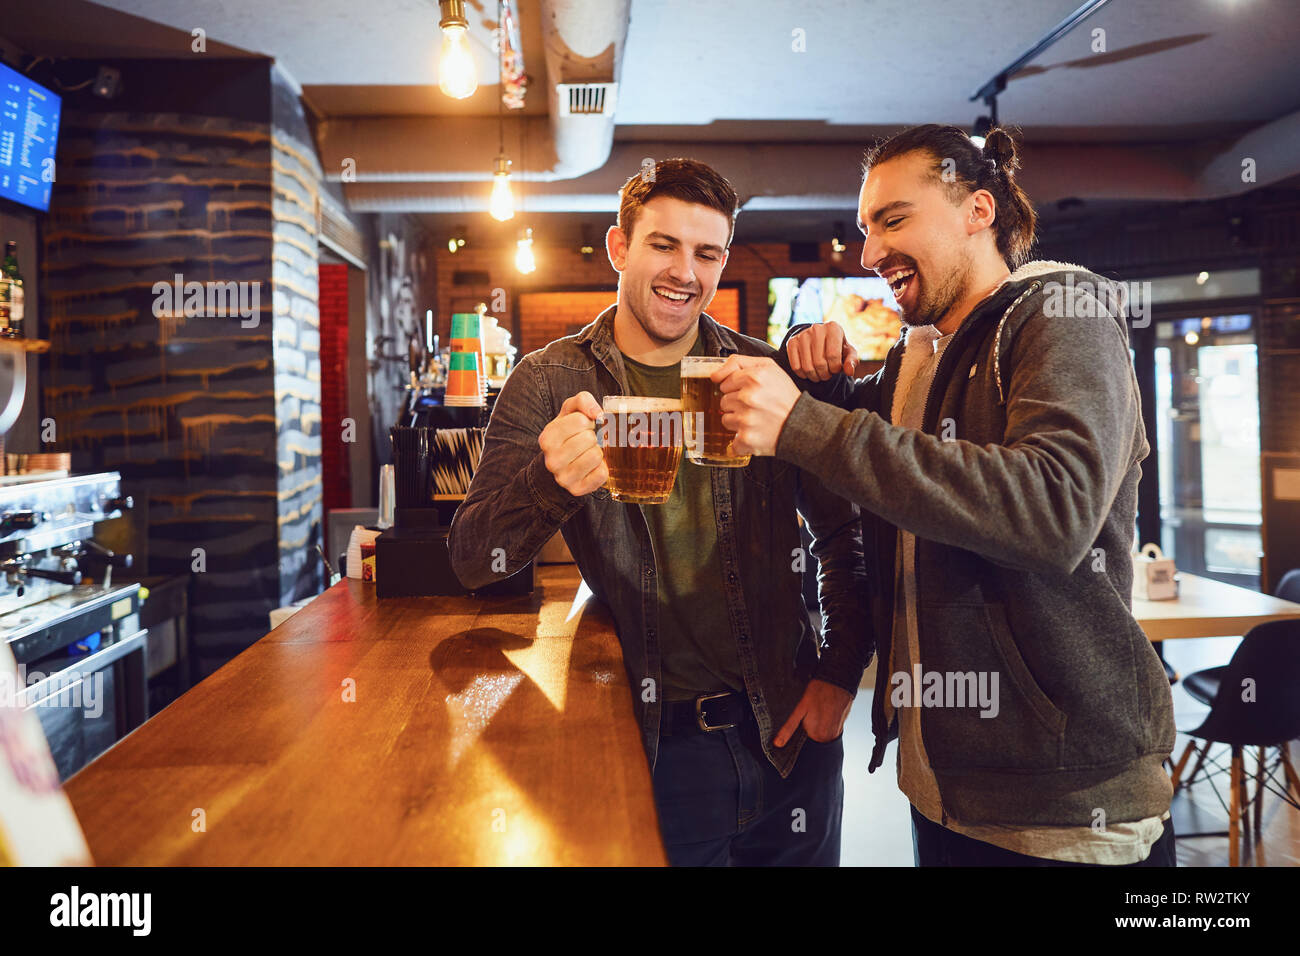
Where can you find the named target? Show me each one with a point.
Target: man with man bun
(995, 458)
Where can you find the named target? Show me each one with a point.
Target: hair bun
(1001, 149)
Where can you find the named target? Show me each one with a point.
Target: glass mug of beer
(641, 439)
(707, 442)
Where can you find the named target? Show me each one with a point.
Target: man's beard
(661, 336)
(932, 304)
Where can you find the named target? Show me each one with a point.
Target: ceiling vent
(587, 99)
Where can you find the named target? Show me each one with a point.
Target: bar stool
(1254, 702)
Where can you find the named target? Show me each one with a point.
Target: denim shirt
(515, 505)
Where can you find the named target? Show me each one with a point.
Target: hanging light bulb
(501, 204)
(457, 73)
(525, 262)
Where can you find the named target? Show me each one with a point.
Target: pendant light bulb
(457, 73)
(525, 262)
(501, 204)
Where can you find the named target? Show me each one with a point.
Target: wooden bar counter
(409, 731)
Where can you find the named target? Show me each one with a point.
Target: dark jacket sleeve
(1036, 501)
(514, 505)
(839, 389)
(847, 641)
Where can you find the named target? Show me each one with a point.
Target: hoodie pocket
(1011, 724)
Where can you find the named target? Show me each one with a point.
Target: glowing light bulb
(457, 75)
(501, 204)
(525, 262)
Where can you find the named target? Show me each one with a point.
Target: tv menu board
(862, 305)
(29, 128)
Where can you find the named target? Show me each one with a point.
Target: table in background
(1208, 608)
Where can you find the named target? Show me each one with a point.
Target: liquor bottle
(13, 290)
(6, 285)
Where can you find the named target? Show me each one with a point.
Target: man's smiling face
(915, 236)
(670, 266)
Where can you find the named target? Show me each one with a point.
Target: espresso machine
(74, 633)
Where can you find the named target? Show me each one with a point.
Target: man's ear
(983, 211)
(616, 248)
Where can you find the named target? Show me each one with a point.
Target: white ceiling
(360, 42)
(1167, 63)
(1172, 69)
(1192, 74)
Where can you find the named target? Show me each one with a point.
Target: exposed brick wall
(725, 307)
(748, 270)
(1259, 229)
(547, 316)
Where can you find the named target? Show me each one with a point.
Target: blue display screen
(29, 128)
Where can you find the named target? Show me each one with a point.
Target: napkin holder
(1153, 575)
(411, 557)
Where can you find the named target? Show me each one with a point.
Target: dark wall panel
(213, 419)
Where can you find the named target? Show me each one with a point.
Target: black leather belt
(704, 714)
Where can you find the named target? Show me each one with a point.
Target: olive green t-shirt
(698, 651)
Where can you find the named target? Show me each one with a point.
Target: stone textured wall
(295, 178)
(213, 420)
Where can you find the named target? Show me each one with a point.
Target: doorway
(1204, 384)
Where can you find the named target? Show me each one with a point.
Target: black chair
(1203, 685)
(1288, 589)
(1254, 702)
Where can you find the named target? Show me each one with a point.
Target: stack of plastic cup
(466, 376)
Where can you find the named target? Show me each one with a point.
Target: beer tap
(11, 521)
(18, 572)
(97, 556)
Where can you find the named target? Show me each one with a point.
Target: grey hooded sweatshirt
(1021, 489)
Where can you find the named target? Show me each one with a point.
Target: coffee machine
(74, 633)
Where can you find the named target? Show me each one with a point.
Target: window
(1207, 437)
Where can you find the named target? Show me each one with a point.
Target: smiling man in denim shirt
(740, 703)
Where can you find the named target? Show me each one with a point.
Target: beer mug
(707, 442)
(641, 439)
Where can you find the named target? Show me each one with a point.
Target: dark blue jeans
(935, 845)
(722, 803)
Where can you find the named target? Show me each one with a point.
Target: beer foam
(621, 404)
(700, 366)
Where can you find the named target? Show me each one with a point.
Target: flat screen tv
(863, 305)
(29, 130)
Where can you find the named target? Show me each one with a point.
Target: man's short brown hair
(685, 179)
